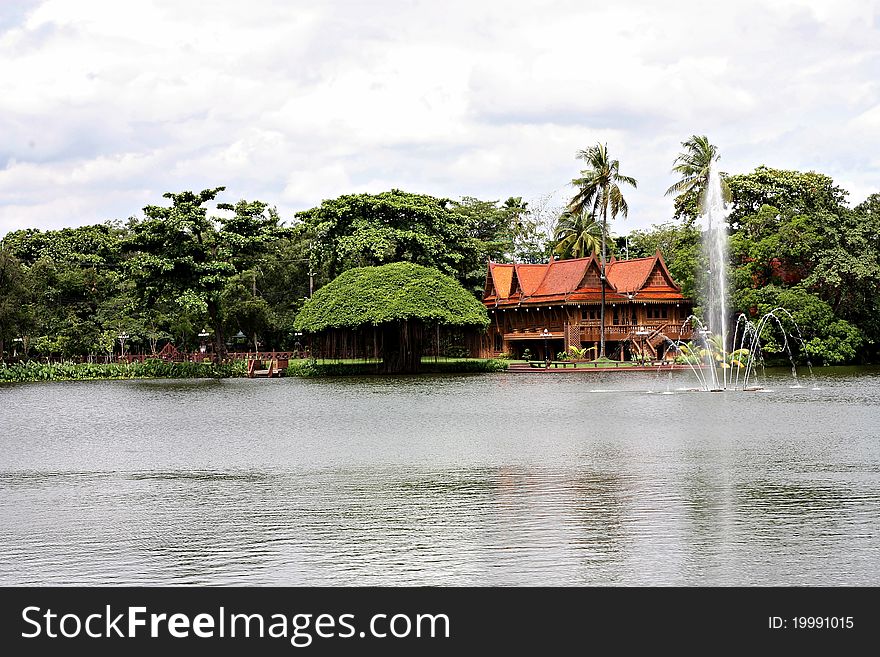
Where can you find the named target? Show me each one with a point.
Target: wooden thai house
(645, 311)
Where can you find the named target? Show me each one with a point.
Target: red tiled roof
(629, 275)
(560, 280)
(530, 277)
(562, 276)
(502, 275)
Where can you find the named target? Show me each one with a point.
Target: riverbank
(151, 369)
(313, 368)
(156, 369)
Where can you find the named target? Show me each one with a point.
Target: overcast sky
(106, 105)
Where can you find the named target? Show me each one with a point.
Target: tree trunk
(402, 344)
(219, 344)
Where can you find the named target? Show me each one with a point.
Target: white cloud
(108, 105)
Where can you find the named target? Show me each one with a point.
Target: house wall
(514, 329)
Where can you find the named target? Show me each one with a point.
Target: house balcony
(590, 331)
(535, 332)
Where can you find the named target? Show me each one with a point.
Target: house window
(658, 312)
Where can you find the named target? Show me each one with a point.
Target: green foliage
(678, 244)
(74, 286)
(811, 254)
(180, 253)
(150, 369)
(787, 190)
(599, 185)
(693, 165)
(826, 339)
(70, 293)
(15, 316)
(468, 366)
(577, 235)
(390, 293)
(361, 230)
(96, 245)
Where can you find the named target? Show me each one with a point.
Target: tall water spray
(729, 352)
(715, 248)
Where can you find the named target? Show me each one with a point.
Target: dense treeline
(796, 244)
(235, 277)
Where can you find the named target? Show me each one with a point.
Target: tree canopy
(395, 302)
(182, 253)
(390, 293)
(78, 292)
(362, 230)
(794, 244)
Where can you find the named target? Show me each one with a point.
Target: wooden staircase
(651, 342)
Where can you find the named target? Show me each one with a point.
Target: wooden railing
(534, 332)
(590, 331)
(198, 356)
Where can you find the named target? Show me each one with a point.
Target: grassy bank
(31, 371)
(309, 368)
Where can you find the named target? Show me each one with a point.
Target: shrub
(150, 369)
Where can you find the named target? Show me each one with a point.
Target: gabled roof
(500, 275)
(629, 275)
(562, 276)
(569, 280)
(530, 277)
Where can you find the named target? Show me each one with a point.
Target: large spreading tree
(399, 301)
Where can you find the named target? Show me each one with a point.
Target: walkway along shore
(569, 367)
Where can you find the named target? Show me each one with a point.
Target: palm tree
(693, 164)
(599, 192)
(577, 235)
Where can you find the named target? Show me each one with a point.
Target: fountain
(719, 363)
(715, 250)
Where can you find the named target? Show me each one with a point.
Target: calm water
(576, 479)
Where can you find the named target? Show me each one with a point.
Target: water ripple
(449, 481)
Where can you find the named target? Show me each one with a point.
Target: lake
(506, 479)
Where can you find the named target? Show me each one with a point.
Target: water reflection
(450, 481)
